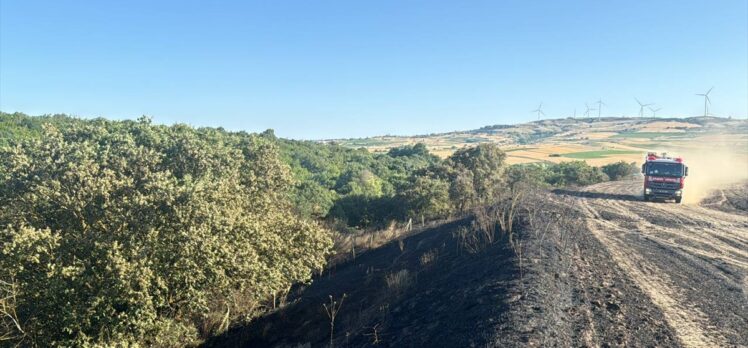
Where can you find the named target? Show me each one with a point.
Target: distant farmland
(599, 154)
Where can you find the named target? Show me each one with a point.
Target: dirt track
(690, 261)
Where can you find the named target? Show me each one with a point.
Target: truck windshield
(665, 169)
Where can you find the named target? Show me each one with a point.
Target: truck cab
(664, 177)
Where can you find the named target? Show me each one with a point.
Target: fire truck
(664, 177)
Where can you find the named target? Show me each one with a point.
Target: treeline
(138, 234)
(359, 189)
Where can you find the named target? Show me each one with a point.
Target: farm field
(598, 142)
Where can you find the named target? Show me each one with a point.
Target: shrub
(620, 170)
(429, 257)
(577, 173)
(128, 233)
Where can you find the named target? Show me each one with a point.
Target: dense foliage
(140, 234)
(128, 232)
(620, 170)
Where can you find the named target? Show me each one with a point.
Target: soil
(690, 261)
(616, 272)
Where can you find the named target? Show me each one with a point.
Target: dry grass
(399, 281)
(429, 257)
(348, 245)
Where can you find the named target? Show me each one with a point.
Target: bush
(124, 233)
(620, 170)
(576, 173)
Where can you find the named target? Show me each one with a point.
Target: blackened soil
(616, 272)
(446, 297)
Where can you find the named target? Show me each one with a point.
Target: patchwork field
(597, 142)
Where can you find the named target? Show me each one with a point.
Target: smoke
(715, 166)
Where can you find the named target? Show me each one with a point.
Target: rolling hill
(597, 141)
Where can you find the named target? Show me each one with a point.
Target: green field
(598, 154)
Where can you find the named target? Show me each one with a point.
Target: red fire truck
(664, 177)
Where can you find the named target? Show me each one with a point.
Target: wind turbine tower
(641, 107)
(587, 112)
(707, 101)
(654, 112)
(539, 111)
(600, 107)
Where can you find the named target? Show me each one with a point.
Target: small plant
(374, 334)
(468, 239)
(429, 257)
(399, 281)
(332, 311)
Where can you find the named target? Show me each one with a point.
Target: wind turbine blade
(637, 100)
(710, 89)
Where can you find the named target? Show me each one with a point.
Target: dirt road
(690, 261)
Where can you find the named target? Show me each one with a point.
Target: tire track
(691, 261)
(691, 326)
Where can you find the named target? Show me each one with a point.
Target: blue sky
(331, 69)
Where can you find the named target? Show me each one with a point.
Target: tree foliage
(620, 170)
(575, 173)
(135, 234)
(125, 232)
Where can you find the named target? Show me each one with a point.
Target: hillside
(609, 270)
(597, 141)
(187, 236)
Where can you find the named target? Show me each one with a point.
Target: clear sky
(331, 69)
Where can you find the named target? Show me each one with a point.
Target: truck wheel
(677, 200)
(646, 198)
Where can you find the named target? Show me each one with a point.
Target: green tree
(427, 197)
(477, 175)
(577, 173)
(134, 234)
(620, 170)
(532, 174)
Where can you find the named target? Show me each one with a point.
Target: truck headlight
(678, 193)
(647, 190)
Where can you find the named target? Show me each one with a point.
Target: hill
(597, 141)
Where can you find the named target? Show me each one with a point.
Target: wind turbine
(575, 113)
(587, 112)
(539, 110)
(600, 107)
(641, 107)
(654, 111)
(707, 101)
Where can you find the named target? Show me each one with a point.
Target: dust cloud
(712, 168)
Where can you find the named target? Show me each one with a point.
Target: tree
(477, 175)
(418, 149)
(620, 170)
(129, 233)
(577, 173)
(427, 197)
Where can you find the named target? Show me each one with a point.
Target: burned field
(615, 271)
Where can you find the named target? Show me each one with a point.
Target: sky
(340, 69)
